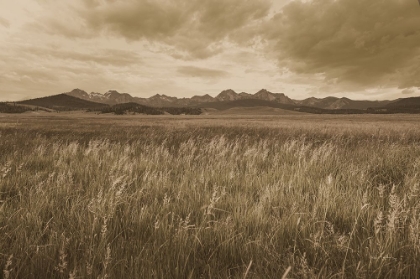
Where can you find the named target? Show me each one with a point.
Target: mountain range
(113, 97)
(124, 103)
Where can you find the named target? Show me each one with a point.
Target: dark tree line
(130, 108)
(13, 108)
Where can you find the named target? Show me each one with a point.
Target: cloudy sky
(355, 48)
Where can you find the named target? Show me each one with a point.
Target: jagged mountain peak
(227, 95)
(112, 91)
(228, 91)
(77, 90)
(78, 93)
(206, 97)
(266, 95)
(263, 91)
(162, 96)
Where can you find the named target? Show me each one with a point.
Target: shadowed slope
(63, 102)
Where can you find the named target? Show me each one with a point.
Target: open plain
(211, 196)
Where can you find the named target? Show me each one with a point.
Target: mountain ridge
(114, 101)
(113, 97)
(64, 102)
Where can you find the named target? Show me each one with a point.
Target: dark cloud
(135, 20)
(365, 43)
(194, 28)
(201, 72)
(408, 91)
(4, 22)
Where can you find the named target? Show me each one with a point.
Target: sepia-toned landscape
(210, 139)
(290, 196)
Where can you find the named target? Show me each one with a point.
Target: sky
(355, 48)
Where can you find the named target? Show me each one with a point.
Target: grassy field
(291, 196)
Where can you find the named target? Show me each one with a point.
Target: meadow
(290, 196)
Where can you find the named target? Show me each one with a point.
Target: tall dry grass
(209, 202)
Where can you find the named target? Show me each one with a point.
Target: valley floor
(210, 196)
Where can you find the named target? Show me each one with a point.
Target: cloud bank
(195, 29)
(361, 49)
(354, 43)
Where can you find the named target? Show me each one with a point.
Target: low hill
(331, 103)
(135, 108)
(252, 111)
(223, 105)
(250, 103)
(404, 105)
(413, 102)
(63, 102)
